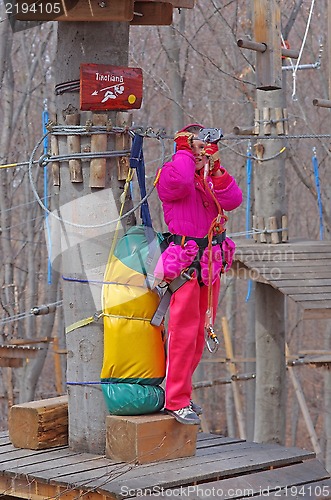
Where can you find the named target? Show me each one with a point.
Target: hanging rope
(318, 191)
(45, 120)
(248, 205)
(294, 75)
(137, 162)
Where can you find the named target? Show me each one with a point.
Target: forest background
(193, 72)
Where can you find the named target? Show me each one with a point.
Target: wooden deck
(299, 269)
(222, 468)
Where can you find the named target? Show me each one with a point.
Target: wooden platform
(222, 468)
(299, 269)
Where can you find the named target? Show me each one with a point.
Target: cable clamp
(44, 159)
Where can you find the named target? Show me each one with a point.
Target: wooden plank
(152, 14)
(209, 465)
(39, 424)
(185, 4)
(259, 483)
(65, 465)
(11, 362)
(98, 143)
(315, 490)
(299, 265)
(216, 441)
(320, 313)
(260, 261)
(283, 283)
(239, 459)
(308, 289)
(299, 245)
(15, 455)
(293, 286)
(281, 253)
(148, 438)
(23, 352)
(69, 10)
(73, 145)
(47, 461)
(122, 143)
(304, 297)
(4, 438)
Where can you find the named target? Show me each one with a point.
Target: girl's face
(197, 148)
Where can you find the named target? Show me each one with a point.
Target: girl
(193, 188)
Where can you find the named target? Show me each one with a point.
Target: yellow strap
(83, 322)
(157, 177)
(9, 165)
(122, 199)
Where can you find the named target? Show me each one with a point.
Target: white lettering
(106, 77)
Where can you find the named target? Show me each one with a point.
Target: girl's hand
(212, 153)
(184, 141)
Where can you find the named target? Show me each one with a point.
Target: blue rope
(89, 383)
(137, 162)
(248, 206)
(45, 118)
(318, 190)
(98, 282)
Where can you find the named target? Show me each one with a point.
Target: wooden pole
(267, 31)
(233, 371)
(270, 366)
(304, 408)
(57, 366)
(270, 205)
(85, 250)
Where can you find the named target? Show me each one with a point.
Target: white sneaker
(184, 415)
(196, 408)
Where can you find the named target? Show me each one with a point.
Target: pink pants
(186, 338)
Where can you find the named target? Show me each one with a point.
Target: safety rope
(98, 314)
(248, 205)
(318, 191)
(45, 119)
(294, 74)
(216, 227)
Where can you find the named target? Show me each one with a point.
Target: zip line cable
(26, 314)
(84, 226)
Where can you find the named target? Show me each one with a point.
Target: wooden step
(39, 424)
(148, 438)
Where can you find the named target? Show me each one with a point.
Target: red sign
(104, 87)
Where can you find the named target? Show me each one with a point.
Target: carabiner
(210, 335)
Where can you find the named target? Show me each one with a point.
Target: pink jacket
(188, 208)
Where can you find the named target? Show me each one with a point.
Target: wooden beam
(322, 103)
(69, 10)
(39, 424)
(233, 372)
(11, 362)
(18, 352)
(184, 4)
(267, 31)
(148, 438)
(152, 14)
